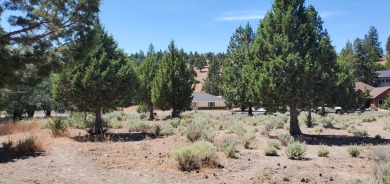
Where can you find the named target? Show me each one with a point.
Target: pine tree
(234, 87)
(213, 81)
(146, 75)
(388, 53)
(173, 84)
(102, 79)
(39, 29)
(292, 53)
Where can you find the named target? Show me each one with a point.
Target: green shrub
(270, 151)
(199, 129)
(137, 125)
(247, 139)
(319, 129)
(166, 128)
(81, 120)
(26, 146)
(366, 117)
(273, 143)
(285, 138)
(7, 146)
(228, 146)
(236, 128)
(195, 156)
(266, 129)
(382, 173)
(354, 151)
(58, 126)
(157, 131)
(322, 152)
(296, 150)
(362, 132)
(351, 129)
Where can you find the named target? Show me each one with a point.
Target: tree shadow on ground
(114, 137)
(340, 140)
(12, 156)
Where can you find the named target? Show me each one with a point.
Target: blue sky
(207, 25)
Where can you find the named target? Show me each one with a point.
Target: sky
(207, 25)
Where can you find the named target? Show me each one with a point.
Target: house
(204, 100)
(384, 78)
(377, 94)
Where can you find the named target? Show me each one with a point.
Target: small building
(384, 78)
(377, 94)
(204, 100)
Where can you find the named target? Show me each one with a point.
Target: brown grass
(17, 127)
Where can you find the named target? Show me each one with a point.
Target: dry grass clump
(200, 129)
(296, 150)
(58, 127)
(140, 126)
(323, 152)
(17, 127)
(195, 156)
(285, 138)
(228, 147)
(270, 151)
(26, 146)
(247, 138)
(354, 150)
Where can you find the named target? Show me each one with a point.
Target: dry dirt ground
(139, 158)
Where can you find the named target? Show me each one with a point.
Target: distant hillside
(201, 77)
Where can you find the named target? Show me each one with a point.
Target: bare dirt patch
(123, 157)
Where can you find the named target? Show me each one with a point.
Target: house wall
(382, 97)
(205, 105)
(384, 81)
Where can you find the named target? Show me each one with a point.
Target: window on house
(194, 104)
(211, 104)
(380, 102)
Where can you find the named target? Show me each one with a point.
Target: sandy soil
(138, 158)
(201, 77)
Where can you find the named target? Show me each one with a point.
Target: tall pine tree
(292, 47)
(173, 85)
(102, 79)
(234, 87)
(147, 73)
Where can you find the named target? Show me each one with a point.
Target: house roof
(378, 91)
(384, 73)
(205, 97)
(362, 85)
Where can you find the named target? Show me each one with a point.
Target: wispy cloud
(328, 14)
(241, 15)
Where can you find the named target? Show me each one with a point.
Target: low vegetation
(195, 156)
(296, 150)
(228, 147)
(354, 150)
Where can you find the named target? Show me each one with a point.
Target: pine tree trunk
(174, 113)
(17, 115)
(294, 125)
(242, 108)
(151, 113)
(322, 109)
(47, 113)
(309, 122)
(30, 112)
(98, 121)
(250, 110)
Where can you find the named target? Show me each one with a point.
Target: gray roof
(205, 97)
(384, 73)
